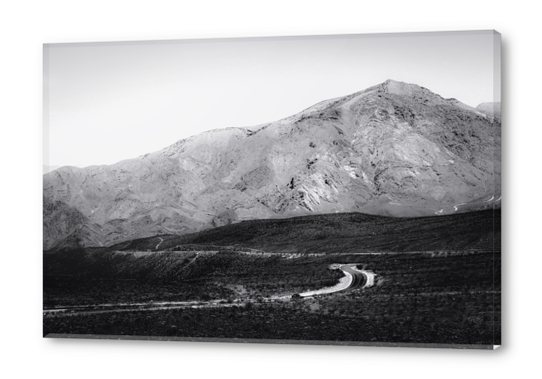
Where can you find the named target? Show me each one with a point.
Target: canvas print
(337, 189)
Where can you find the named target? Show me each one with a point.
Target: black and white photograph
(322, 190)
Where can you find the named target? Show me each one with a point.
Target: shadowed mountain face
(394, 149)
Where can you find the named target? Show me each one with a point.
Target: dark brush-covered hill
(395, 149)
(340, 233)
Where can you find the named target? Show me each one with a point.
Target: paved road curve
(359, 278)
(354, 278)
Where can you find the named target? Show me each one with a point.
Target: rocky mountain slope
(394, 149)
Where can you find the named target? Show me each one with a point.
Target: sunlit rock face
(394, 149)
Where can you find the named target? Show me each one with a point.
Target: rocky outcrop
(393, 149)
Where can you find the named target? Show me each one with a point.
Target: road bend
(354, 278)
(161, 240)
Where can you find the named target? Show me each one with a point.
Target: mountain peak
(388, 81)
(400, 88)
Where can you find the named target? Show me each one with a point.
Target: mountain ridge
(394, 149)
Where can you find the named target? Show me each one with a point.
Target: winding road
(353, 278)
(360, 278)
(161, 240)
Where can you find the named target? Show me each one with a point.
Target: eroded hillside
(394, 149)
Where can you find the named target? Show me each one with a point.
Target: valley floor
(435, 297)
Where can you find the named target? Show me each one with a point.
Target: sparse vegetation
(430, 295)
(346, 233)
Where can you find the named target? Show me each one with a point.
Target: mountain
(394, 149)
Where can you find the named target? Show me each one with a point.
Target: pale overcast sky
(105, 102)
